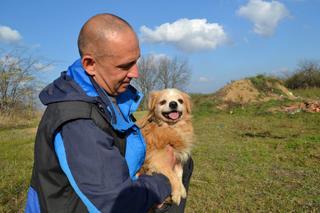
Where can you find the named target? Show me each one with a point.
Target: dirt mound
(255, 89)
(282, 90)
(242, 91)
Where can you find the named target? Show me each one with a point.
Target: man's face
(115, 70)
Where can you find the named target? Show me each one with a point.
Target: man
(88, 149)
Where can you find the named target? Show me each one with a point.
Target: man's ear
(89, 64)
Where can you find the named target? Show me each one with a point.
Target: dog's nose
(173, 105)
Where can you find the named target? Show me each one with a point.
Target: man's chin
(123, 88)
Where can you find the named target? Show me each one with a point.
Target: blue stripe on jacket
(32, 203)
(61, 154)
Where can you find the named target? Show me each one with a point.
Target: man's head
(109, 51)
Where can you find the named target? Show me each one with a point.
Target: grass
(256, 163)
(313, 93)
(16, 158)
(17, 120)
(246, 160)
(261, 83)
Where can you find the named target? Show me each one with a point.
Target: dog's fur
(162, 126)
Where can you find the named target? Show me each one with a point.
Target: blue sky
(223, 40)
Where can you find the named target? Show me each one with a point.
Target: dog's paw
(183, 192)
(176, 198)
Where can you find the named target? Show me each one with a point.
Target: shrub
(262, 83)
(306, 76)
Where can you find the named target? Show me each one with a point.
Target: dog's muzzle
(172, 115)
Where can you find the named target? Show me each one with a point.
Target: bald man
(88, 148)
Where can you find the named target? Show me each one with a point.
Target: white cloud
(159, 56)
(265, 15)
(188, 35)
(203, 79)
(43, 67)
(281, 71)
(9, 35)
(156, 57)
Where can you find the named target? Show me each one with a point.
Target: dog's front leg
(179, 171)
(156, 164)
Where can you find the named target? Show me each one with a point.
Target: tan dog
(168, 122)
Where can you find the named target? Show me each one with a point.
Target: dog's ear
(187, 101)
(153, 96)
(152, 101)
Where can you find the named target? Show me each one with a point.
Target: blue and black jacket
(77, 165)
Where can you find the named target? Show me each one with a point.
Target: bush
(265, 84)
(306, 76)
(19, 119)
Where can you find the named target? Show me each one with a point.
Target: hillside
(265, 94)
(255, 89)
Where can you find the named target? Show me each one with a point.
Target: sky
(223, 40)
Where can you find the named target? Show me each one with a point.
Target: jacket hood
(63, 89)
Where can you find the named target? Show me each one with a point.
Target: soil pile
(255, 89)
(241, 92)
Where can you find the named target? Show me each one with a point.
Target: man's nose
(134, 71)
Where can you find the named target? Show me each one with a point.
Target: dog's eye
(180, 101)
(163, 102)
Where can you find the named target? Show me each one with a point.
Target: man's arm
(99, 174)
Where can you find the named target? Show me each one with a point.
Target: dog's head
(169, 105)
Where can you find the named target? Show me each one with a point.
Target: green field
(246, 160)
(250, 161)
(16, 158)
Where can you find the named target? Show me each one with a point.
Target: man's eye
(127, 66)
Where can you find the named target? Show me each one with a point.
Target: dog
(168, 122)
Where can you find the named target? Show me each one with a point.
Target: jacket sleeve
(99, 174)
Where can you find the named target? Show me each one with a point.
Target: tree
(173, 73)
(148, 73)
(160, 73)
(307, 75)
(17, 79)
